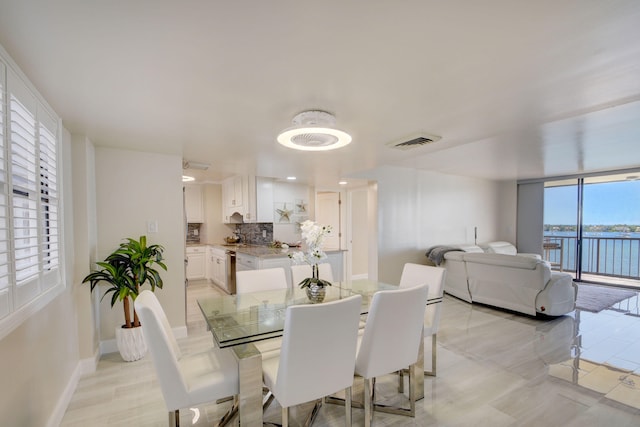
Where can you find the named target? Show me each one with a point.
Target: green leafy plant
(126, 270)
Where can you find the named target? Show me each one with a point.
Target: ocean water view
(614, 254)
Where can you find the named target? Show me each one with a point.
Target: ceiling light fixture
(189, 164)
(186, 178)
(314, 130)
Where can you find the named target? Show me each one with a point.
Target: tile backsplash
(252, 233)
(193, 233)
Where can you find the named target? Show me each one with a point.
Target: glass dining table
(238, 321)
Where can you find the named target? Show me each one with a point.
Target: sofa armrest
(454, 256)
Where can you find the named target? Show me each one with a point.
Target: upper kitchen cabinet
(260, 200)
(234, 194)
(249, 196)
(193, 203)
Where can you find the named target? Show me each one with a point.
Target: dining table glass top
(246, 318)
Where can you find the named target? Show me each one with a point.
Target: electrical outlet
(264, 233)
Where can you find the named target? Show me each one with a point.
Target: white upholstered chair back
(185, 380)
(266, 279)
(434, 277)
(318, 352)
(302, 271)
(392, 334)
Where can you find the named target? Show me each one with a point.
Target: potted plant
(126, 270)
(314, 235)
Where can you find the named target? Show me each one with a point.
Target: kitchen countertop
(265, 251)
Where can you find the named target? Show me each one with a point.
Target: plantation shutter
(5, 289)
(24, 191)
(49, 247)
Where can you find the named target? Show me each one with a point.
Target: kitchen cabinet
(234, 196)
(260, 200)
(217, 267)
(246, 262)
(249, 196)
(268, 259)
(196, 268)
(193, 203)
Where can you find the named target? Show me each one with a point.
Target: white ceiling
(516, 88)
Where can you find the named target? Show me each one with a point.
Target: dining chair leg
(368, 403)
(432, 372)
(285, 417)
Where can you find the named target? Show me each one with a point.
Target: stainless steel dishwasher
(231, 271)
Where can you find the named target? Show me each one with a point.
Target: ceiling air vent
(416, 142)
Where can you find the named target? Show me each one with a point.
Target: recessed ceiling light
(342, 182)
(186, 178)
(314, 131)
(291, 178)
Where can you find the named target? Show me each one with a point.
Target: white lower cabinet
(196, 268)
(217, 266)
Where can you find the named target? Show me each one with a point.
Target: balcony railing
(605, 256)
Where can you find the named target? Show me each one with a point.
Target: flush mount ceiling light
(314, 131)
(190, 164)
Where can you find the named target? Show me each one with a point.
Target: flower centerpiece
(313, 235)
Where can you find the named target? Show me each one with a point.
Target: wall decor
(301, 206)
(283, 212)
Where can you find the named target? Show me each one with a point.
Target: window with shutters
(29, 200)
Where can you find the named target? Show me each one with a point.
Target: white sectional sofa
(518, 282)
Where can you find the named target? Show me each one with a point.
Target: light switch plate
(152, 226)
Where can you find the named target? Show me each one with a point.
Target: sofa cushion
(501, 248)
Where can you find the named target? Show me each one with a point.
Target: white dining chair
(391, 342)
(414, 274)
(186, 380)
(302, 271)
(265, 279)
(317, 357)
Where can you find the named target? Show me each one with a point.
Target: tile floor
(495, 368)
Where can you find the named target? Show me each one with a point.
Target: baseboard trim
(90, 364)
(65, 398)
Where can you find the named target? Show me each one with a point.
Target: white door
(328, 213)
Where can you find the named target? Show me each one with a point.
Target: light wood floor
(494, 369)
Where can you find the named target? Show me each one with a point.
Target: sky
(604, 204)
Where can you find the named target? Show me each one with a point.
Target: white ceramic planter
(131, 343)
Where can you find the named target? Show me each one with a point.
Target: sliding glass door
(592, 227)
(561, 225)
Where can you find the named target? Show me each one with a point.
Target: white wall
(420, 209)
(85, 241)
(40, 357)
(359, 233)
(133, 188)
(288, 193)
(213, 230)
